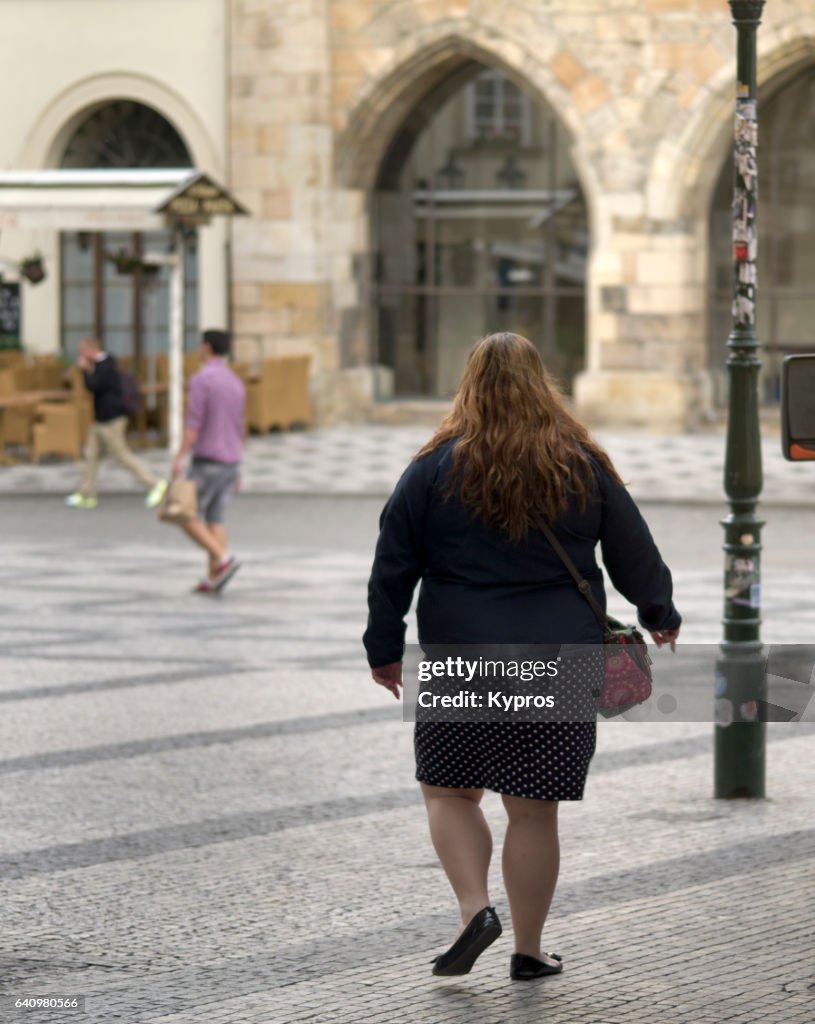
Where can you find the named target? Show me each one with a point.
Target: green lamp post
(741, 687)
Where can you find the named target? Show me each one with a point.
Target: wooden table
(23, 398)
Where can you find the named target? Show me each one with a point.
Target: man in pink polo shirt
(213, 434)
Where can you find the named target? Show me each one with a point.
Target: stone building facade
(392, 221)
(644, 88)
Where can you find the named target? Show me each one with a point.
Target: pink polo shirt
(215, 402)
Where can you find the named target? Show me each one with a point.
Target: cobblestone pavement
(209, 813)
(369, 459)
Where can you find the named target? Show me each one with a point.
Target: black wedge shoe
(481, 932)
(525, 968)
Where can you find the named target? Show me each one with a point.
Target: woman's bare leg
(463, 842)
(531, 860)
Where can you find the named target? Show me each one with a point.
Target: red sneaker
(226, 570)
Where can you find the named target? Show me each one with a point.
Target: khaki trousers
(111, 436)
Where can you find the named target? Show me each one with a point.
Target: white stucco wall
(59, 58)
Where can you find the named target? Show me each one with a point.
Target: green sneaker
(76, 500)
(155, 494)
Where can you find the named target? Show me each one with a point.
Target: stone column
(646, 364)
(287, 278)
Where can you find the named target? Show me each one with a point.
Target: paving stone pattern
(210, 817)
(369, 460)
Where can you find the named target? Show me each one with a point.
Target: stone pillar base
(663, 402)
(348, 395)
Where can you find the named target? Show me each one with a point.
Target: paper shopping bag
(179, 502)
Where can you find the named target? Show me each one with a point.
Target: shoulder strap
(583, 585)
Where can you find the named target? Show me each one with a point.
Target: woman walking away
(465, 520)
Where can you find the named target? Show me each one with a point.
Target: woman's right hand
(665, 636)
(389, 676)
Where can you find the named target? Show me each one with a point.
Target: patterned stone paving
(368, 460)
(209, 814)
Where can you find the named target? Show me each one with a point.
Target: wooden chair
(49, 375)
(76, 382)
(263, 396)
(25, 378)
(244, 371)
(60, 429)
(17, 421)
(297, 401)
(280, 398)
(18, 424)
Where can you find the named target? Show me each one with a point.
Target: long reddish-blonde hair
(519, 452)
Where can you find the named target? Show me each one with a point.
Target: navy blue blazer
(478, 587)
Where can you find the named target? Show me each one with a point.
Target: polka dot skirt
(539, 760)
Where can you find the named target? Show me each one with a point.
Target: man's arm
(96, 379)
(187, 441)
(196, 403)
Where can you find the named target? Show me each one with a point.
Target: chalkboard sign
(9, 315)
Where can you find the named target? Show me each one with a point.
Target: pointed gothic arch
(421, 65)
(687, 164)
(786, 222)
(509, 248)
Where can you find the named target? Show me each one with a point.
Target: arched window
(786, 226)
(125, 134)
(128, 311)
(479, 225)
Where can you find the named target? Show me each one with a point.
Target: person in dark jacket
(109, 428)
(464, 520)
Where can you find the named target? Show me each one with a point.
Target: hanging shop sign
(199, 199)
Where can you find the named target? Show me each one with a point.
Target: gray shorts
(214, 486)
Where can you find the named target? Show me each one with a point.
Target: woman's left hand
(665, 636)
(389, 676)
